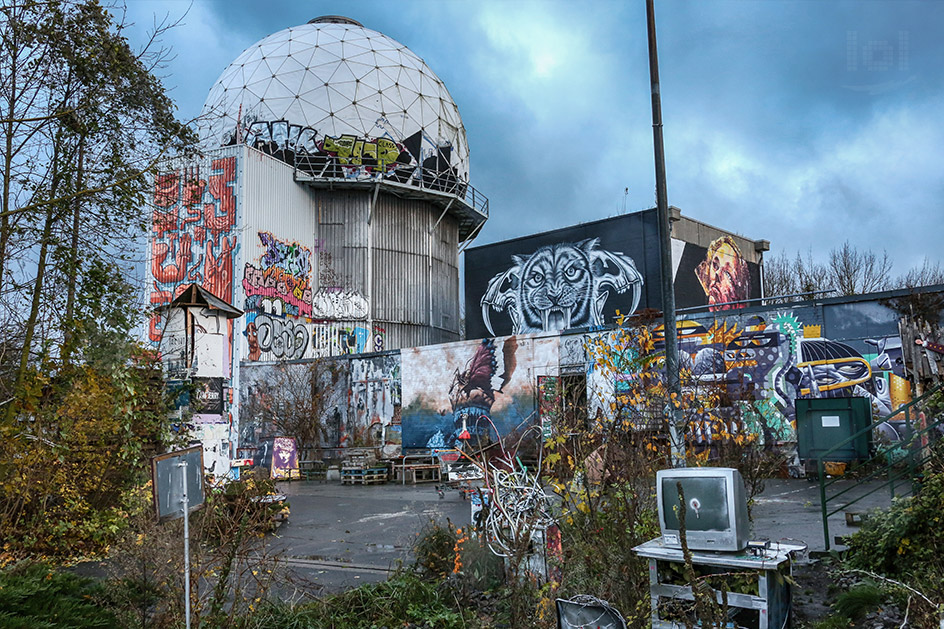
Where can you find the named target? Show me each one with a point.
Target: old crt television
(715, 508)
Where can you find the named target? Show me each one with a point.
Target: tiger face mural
(560, 286)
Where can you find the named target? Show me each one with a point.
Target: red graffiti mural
(192, 237)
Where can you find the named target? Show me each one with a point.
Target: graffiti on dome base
(416, 159)
(193, 236)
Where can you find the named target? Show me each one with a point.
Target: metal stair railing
(899, 461)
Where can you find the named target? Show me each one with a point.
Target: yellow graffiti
(353, 150)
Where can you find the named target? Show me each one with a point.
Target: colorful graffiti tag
(193, 239)
(281, 284)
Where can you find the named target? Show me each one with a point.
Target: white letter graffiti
(283, 337)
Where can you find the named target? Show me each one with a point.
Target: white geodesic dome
(334, 86)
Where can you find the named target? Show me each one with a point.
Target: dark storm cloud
(805, 123)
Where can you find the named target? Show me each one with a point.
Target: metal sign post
(185, 504)
(177, 482)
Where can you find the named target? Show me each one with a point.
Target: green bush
(405, 600)
(904, 540)
(859, 600)
(36, 596)
(435, 550)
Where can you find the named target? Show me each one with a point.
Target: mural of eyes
(561, 286)
(573, 273)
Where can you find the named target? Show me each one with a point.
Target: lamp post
(673, 382)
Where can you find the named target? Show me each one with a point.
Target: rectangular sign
(208, 396)
(167, 482)
(830, 421)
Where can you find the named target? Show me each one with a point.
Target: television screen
(715, 508)
(705, 500)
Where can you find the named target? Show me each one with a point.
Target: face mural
(560, 286)
(284, 458)
(724, 275)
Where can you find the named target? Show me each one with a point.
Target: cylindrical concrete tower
(378, 153)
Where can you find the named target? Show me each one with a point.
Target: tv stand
(766, 604)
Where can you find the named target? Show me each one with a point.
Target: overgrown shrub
(405, 600)
(905, 540)
(36, 596)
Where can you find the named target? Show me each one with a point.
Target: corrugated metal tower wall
(404, 252)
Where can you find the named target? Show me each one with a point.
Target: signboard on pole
(168, 486)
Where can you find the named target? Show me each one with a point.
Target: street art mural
(193, 239)
(723, 275)
(375, 403)
(762, 363)
(284, 459)
(719, 276)
(281, 283)
(561, 286)
(577, 277)
(481, 390)
(267, 388)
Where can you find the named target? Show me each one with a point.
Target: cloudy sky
(806, 123)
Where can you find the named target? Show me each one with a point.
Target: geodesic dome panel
(336, 89)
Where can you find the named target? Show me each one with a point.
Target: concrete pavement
(341, 535)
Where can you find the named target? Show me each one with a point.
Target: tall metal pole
(186, 504)
(673, 383)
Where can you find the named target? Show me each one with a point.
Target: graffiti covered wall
(580, 276)
(375, 404)
(193, 235)
(479, 387)
(269, 391)
(764, 361)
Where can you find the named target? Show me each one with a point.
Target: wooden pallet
(366, 476)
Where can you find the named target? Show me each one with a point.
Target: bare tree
(928, 274)
(780, 277)
(847, 271)
(294, 400)
(854, 272)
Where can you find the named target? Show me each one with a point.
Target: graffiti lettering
(290, 257)
(286, 339)
(380, 153)
(282, 285)
(339, 304)
(281, 139)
